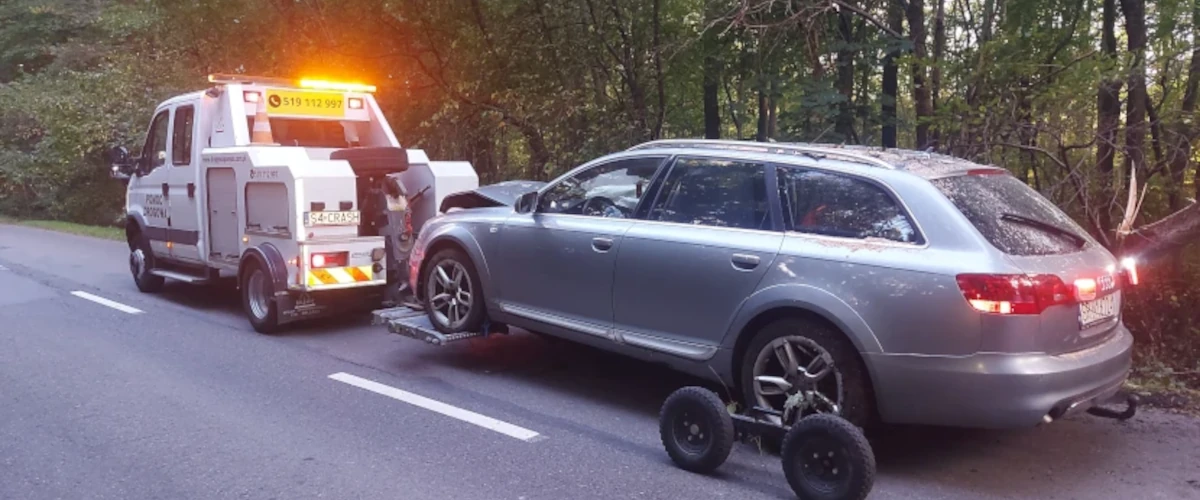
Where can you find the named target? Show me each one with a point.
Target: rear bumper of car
(994, 390)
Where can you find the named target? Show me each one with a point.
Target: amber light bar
(310, 83)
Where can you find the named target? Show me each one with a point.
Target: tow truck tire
(258, 298)
(696, 429)
(452, 261)
(141, 261)
(825, 457)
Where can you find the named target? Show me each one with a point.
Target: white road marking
(439, 407)
(105, 302)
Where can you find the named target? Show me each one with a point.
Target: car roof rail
(765, 147)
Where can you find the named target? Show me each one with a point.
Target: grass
(103, 232)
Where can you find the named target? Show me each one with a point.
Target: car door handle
(166, 189)
(743, 262)
(602, 245)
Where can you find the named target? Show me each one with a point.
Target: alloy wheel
(451, 296)
(797, 369)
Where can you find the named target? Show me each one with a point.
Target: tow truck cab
(286, 186)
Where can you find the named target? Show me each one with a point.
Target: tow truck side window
(154, 153)
(181, 136)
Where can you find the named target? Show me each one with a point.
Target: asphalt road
(178, 398)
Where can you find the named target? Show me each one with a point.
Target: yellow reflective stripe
(339, 275)
(323, 276)
(359, 273)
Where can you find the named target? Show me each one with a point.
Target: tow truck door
(183, 186)
(147, 192)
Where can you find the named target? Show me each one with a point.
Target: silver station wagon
(895, 285)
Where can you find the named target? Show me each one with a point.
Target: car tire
(141, 261)
(450, 280)
(258, 298)
(827, 458)
(696, 429)
(857, 399)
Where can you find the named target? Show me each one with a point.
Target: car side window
(609, 190)
(839, 205)
(181, 136)
(154, 153)
(714, 192)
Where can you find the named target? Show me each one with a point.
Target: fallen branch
(1157, 239)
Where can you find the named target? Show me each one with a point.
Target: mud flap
(296, 306)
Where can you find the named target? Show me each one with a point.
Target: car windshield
(1013, 216)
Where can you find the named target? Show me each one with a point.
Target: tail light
(1129, 267)
(336, 259)
(1015, 293)
(1085, 289)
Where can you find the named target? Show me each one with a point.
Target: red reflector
(354, 103)
(1013, 293)
(338, 259)
(253, 97)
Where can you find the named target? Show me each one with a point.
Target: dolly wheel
(825, 457)
(696, 429)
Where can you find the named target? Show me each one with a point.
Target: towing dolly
(824, 456)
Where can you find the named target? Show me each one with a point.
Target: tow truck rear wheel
(141, 261)
(258, 298)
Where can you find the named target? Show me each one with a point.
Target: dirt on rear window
(986, 199)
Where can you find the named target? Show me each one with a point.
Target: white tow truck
(297, 189)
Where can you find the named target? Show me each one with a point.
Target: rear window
(308, 133)
(1013, 216)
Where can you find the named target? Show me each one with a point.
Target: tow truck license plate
(331, 218)
(1099, 310)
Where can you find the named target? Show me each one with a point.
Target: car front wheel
(801, 367)
(453, 293)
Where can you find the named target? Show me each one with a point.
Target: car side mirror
(526, 203)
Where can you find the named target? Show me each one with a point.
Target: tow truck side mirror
(526, 203)
(122, 164)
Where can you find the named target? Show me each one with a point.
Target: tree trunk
(1135, 114)
(660, 78)
(712, 104)
(773, 109)
(1108, 105)
(762, 115)
(844, 123)
(939, 50)
(1184, 129)
(895, 21)
(921, 99)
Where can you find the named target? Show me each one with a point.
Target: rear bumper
(992, 390)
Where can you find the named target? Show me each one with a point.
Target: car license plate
(305, 103)
(331, 218)
(1099, 310)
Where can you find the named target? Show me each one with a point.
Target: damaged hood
(492, 195)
